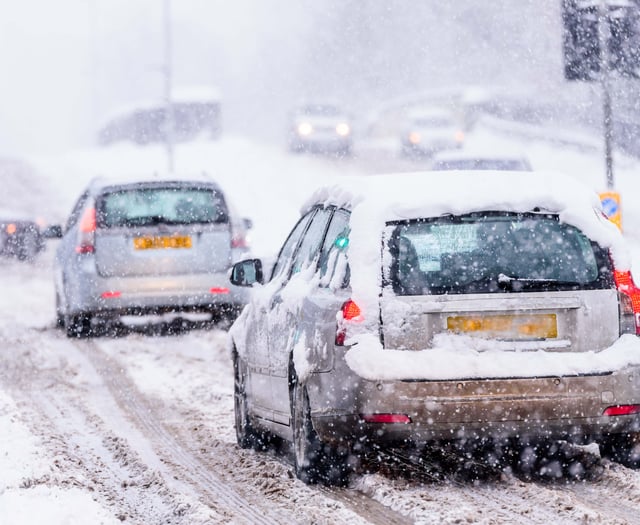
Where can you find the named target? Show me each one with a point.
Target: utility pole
(168, 77)
(604, 33)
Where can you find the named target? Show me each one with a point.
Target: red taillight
(218, 290)
(110, 295)
(621, 410)
(11, 228)
(86, 233)
(385, 418)
(631, 300)
(350, 311)
(239, 241)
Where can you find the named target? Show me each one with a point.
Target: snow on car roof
(378, 199)
(104, 181)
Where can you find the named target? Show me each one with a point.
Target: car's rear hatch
(161, 229)
(517, 282)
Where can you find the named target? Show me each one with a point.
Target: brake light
(218, 290)
(11, 228)
(386, 418)
(349, 313)
(239, 241)
(621, 410)
(110, 295)
(350, 310)
(629, 300)
(86, 231)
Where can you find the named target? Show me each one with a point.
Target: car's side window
(308, 250)
(75, 212)
(334, 246)
(283, 263)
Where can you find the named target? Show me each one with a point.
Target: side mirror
(248, 223)
(53, 231)
(247, 272)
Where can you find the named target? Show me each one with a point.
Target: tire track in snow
(146, 418)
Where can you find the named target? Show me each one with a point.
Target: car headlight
(343, 129)
(414, 137)
(304, 129)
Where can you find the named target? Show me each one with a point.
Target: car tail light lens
(86, 231)
(386, 418)
(349, 313)
(629, 302)
(621, 410)
(239, 241)
(11, 228)
(217, 290)
(112, 294)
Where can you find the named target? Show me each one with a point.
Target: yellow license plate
(535, 326)
(160, 242)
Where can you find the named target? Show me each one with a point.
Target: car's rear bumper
(527, 408)
(88, 292)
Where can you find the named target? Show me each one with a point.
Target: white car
(320, 128)
(429, 130)
(412, 309)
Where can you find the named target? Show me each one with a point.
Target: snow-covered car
(321, 128)
(429, 130)
(20, 236)
(148, 247)
(458, 160)
(412, 309)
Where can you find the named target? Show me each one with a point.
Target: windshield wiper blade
(508, 280)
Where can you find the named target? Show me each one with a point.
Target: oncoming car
(413, 310)
(320, 128)
(148, 247)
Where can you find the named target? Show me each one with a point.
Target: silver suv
(412, 309)
(147, 247)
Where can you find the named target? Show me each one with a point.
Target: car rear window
(494, 253)
(148, 206)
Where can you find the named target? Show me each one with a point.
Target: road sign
(611, 207)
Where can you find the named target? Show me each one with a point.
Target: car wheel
(622, 448)
(314, 461)
(246, 435)
(59, 314)
(78, 326)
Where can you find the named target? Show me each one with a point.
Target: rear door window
(149, 206)
(494, 253)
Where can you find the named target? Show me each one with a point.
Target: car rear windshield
(494, 253)
(161, 205)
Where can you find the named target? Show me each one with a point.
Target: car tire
(622, 448)
(59, 315)
(78, 326)
(314, 461)
(246, 435)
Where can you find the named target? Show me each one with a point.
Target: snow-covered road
(139, 428)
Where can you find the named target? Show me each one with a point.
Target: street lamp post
(604, 32)
(168, 73)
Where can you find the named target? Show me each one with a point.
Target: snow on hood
(458, 357)
(378, 199)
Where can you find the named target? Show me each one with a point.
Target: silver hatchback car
(413, 309)
(132, 248)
